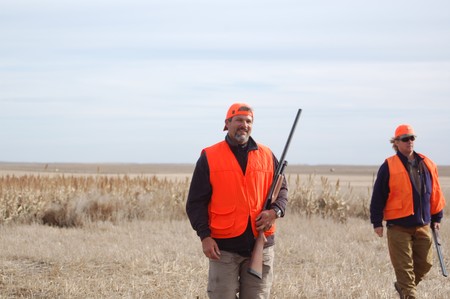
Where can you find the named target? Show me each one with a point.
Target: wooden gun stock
(256, 262)
(437, 243)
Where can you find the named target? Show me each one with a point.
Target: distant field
(127, 168)
(92, 168)
(359, 177)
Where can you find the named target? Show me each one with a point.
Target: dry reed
(68, 201)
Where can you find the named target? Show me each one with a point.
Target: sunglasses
(407, 139)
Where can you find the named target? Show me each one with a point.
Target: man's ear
(225, 128)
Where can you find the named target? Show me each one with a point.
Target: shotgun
(437, 242)
(256, 261)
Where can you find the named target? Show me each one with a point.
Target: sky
(150, 81)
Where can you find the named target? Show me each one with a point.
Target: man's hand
(210, 248)
(265, 220)
(379, 231)
(436, 225)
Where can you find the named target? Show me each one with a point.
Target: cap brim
(405, 135)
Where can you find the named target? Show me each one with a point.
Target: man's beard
(241, 138)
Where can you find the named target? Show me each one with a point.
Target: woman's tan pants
(410, 249)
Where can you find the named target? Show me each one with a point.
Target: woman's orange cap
(404, 130)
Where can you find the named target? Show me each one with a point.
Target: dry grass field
(119, 231)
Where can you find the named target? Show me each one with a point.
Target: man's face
(240, 128)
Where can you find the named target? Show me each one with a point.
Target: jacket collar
(404, 159)
(250, 145)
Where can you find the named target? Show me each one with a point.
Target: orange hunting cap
(238, 109)
(404, 131)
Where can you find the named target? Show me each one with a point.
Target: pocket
(394, 202)
(222, 221)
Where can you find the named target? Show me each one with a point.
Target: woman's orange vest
(235, 196)
(400, 201)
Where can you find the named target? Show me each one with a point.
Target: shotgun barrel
(256, 262)
(437, 243)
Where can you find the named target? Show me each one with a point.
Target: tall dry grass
(128, 237)
(68, 201)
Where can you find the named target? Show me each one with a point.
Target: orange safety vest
(236, 196)
(400, 201)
